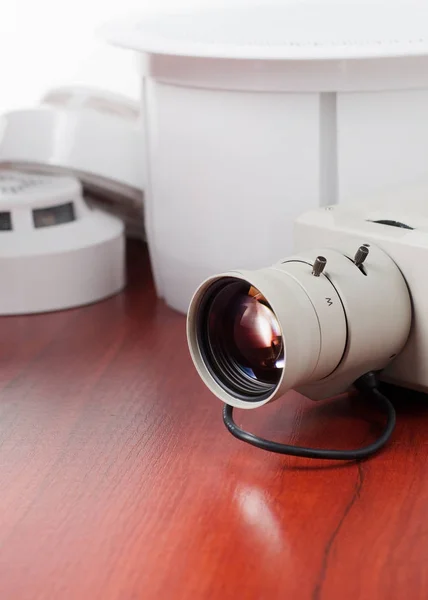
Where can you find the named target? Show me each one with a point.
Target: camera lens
(240, 339)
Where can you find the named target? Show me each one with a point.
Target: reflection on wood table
(119, 481)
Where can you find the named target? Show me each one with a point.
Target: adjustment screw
(361, 255)
(319, 266)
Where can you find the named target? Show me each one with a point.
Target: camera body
(352, 299)
(400, 229)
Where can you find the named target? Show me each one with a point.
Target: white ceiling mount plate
(92, 134)
(55, 252)
(283, 31)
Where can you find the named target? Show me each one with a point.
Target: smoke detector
(56, 252)
(91, 134)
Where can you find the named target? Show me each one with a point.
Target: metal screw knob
(361, 255)
(319, 266)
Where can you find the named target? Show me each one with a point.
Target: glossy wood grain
(119, 481)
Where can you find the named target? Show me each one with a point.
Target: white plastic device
(94, 135)
(404, 238)
(259, 112)
(348, 317)
(55, 251)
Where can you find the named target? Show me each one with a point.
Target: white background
(48, 43)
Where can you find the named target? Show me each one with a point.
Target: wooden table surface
(119, 481)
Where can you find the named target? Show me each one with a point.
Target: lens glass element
(256, 339)
(241, 339)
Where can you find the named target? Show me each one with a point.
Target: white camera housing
(353, 317)
(406, 246)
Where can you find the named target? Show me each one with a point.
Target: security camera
(352, 300)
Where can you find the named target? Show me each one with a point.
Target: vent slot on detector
(5, 221)
(54, 215)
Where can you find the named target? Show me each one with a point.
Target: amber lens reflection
(256, 333)
(243, 342)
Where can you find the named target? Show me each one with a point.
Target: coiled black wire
(367, 383)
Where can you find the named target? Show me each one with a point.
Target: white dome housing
(259, 112)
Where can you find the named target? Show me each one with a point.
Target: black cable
(366, 383)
